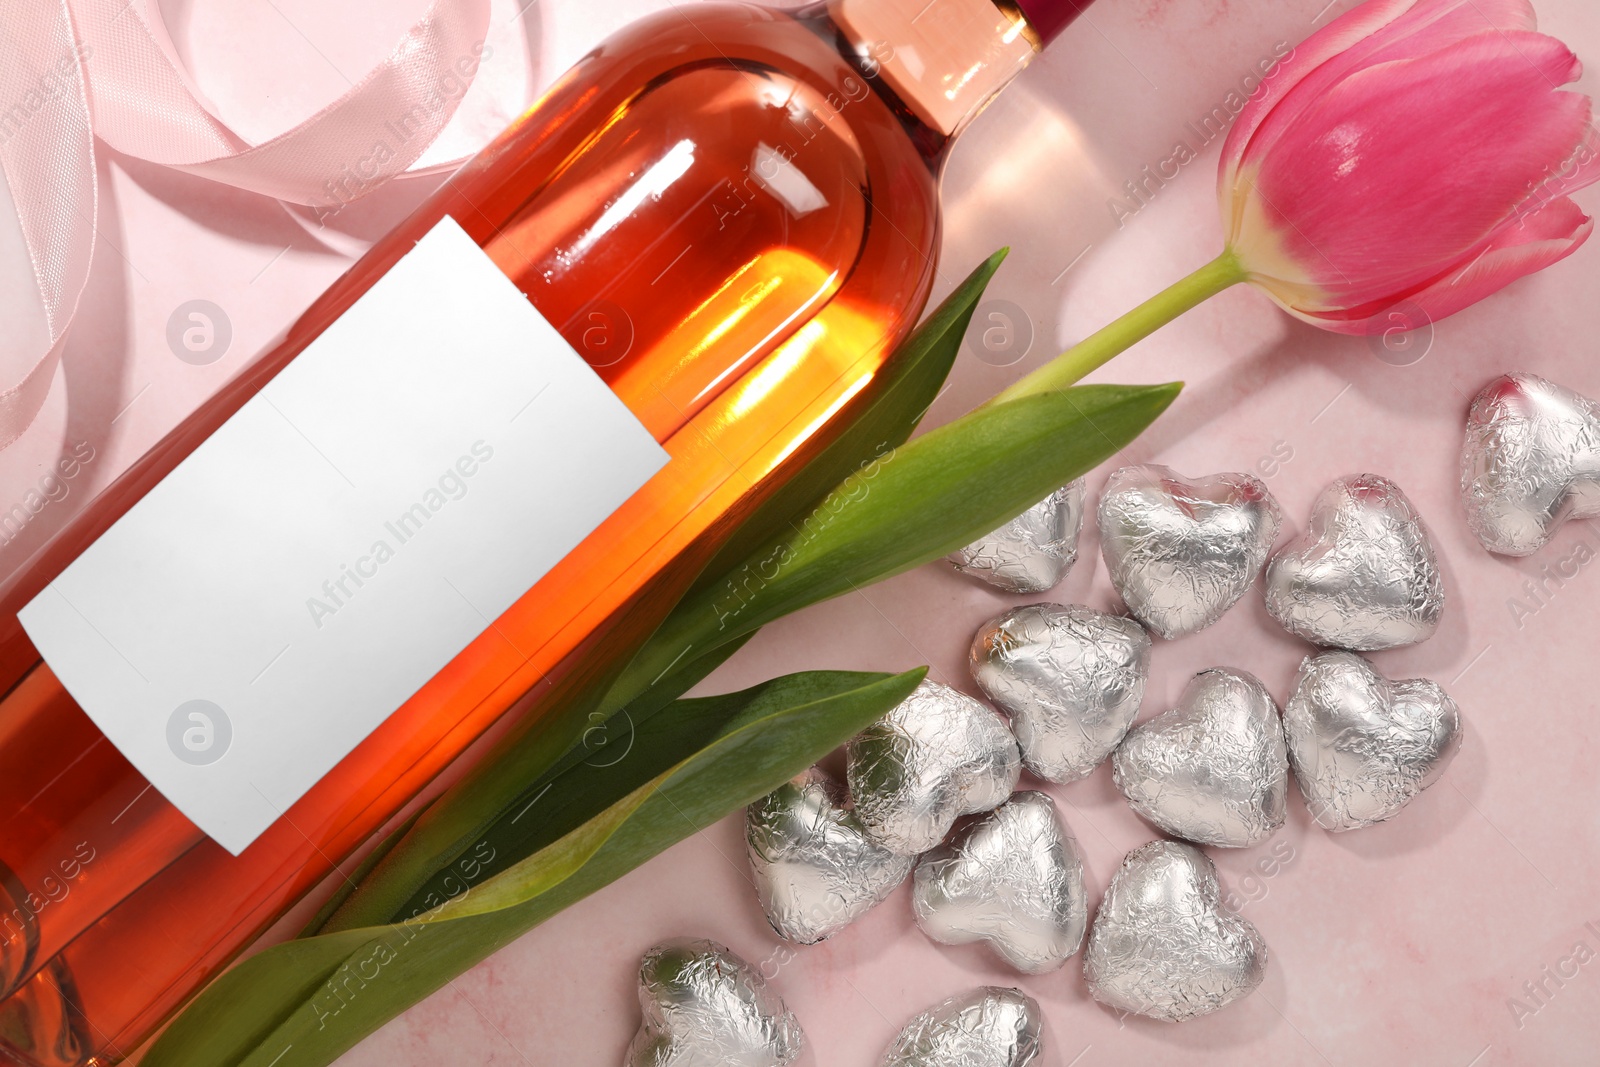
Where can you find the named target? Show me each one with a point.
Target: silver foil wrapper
(815, 869)
(1214, 770)
(1363, 746)
(705, 1007)
(1163, 946)
(1363, 575)
(988, 1027)
(1531, 461)
(937, 756)
(1182, 551)
(1070, 679)
(1032, 552)
(1012, 878)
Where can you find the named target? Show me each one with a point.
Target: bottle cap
(1049, 17)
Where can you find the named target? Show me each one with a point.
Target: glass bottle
(732, 213)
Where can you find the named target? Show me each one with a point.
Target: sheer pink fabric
(74, 70)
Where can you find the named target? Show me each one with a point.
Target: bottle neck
(946, 59)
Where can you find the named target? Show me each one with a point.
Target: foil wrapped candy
(937, 756)
(705, 1007)
(1363, 747)
(1070, 679)
(1012, 878)
(1363, 576)
(987, 1027)
(816, 870)
(1214, 769)
(1032, 552)
(1530, 462)
(1162, 945)
(1181, 551)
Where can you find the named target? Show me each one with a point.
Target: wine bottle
(731, 214)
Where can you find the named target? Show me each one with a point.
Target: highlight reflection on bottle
(731, 212)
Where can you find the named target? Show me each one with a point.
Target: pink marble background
(1412, 942)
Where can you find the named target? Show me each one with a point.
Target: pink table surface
(1408, 943)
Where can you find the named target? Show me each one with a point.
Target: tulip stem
(1097, 349)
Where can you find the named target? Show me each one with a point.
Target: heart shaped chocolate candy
(1214, 770)
(939, 755)
(1032, 552)
(1363, 575)
(815, 869)
(1013, 878)
(1531, 461)
(1362, 746)
(1163, 946)
(1070, 679)
(1183, 551)
(988, 1027)
(705, 1007)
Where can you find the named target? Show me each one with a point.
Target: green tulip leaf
(881, 417)
(302, 1003)
(598, 743)
(922, 501)
(879, 420)
(557, 814)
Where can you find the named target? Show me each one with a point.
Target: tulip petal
(1523, 247)
(1308, 56)
(1431, 26)
(1579, 170)
(1372, 33)
(1377, 183)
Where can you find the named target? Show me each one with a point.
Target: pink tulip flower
(1401, 164)
(1413, 154)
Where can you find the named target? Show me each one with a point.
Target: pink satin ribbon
(74, 70)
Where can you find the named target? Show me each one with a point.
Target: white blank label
(340, 539)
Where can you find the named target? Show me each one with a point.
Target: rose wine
(731, 213)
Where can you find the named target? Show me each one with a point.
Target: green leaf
(663, 693)
(586, 782)
(463, 816)
(922, 501)
(596, 745)
(363, 870)
(549, 723)
(303, 1003)
(917, 504)
(881, 417)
